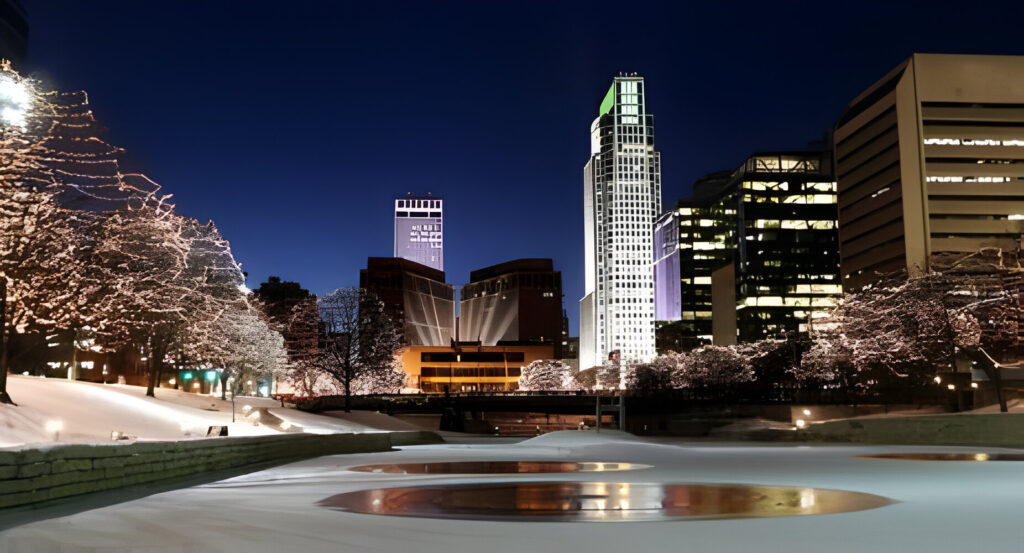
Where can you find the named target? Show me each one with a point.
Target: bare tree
(360, 340)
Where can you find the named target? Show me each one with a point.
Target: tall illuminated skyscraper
(621, 198)
(419, 235)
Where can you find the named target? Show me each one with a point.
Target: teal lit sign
(186, 376)
(211, 376)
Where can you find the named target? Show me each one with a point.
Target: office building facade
(930, 165)
(415, 297)
(622, 198)
(518, 301)
(419, 230)
(784, 268)
(758, 251)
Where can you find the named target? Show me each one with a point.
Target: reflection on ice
(495, 467)
(600, 501)
(949, 456)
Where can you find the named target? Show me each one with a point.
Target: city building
(294, 313)
(705, 229)
(784, 267)
(757, 252)
(469, 367)
(13, 33)
(517, 301)
(419, 232)
(930, 164)
(415, 296)
(621, 198)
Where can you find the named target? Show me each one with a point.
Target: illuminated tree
(547, 375)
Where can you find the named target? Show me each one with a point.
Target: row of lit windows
(418, 204)
(792, 199)
(784, 186)
(779, 301)
(968, 179)
(797, 224)
(972, 142)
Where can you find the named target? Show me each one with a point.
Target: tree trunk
(348, 394)
(156, 363)
(4, 396)
(224, 385)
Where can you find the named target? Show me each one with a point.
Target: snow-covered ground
(88, 412)
(941, 506)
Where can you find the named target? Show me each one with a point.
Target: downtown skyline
(302, 188)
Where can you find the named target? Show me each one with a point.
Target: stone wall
(35, 475)
(996, 430)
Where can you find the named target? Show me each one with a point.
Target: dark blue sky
(292, 124)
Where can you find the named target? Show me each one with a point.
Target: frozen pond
(936, 507)
(599, 501)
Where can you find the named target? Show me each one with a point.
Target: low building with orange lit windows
(469, 367)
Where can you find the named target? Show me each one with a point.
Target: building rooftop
(532, 264)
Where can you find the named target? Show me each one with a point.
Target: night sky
(293, 124)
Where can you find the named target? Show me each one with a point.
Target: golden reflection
(495, 467)
(948, 456)
(600, 501)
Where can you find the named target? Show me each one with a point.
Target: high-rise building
(704, 237)
(13, 33)
(784, 267)
(419, 233)
(930, 164)
(757, 251)
(621, 198)
(517, 301)
(415, 297)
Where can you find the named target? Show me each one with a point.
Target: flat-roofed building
(415, 296)
(930, 163)
(516, 301)
(469, 367)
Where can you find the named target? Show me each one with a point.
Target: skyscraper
(419, 235)
(621, 198)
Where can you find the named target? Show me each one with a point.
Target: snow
(941, 506)
(89, 412)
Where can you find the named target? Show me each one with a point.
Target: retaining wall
(35, 475)
(997, 430)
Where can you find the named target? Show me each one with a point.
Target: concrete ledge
(37, 475)
(995, 430)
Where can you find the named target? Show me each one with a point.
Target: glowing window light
(211, 376)
(186, 376)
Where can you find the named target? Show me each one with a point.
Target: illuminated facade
(517, 301)
(419, 233)
(415, 297)
(786, 257)
(930, 164)
(471, 368)
(757, 251)
(621, 197)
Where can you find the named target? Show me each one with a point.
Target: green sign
(186, 376)
(609, 101)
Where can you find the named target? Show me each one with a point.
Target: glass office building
(419, 232)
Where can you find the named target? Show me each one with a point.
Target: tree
(968, 306)
(360, 340)
(712, 366)
(547, 375)
(652, 378)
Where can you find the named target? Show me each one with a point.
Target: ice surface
(942, 507)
